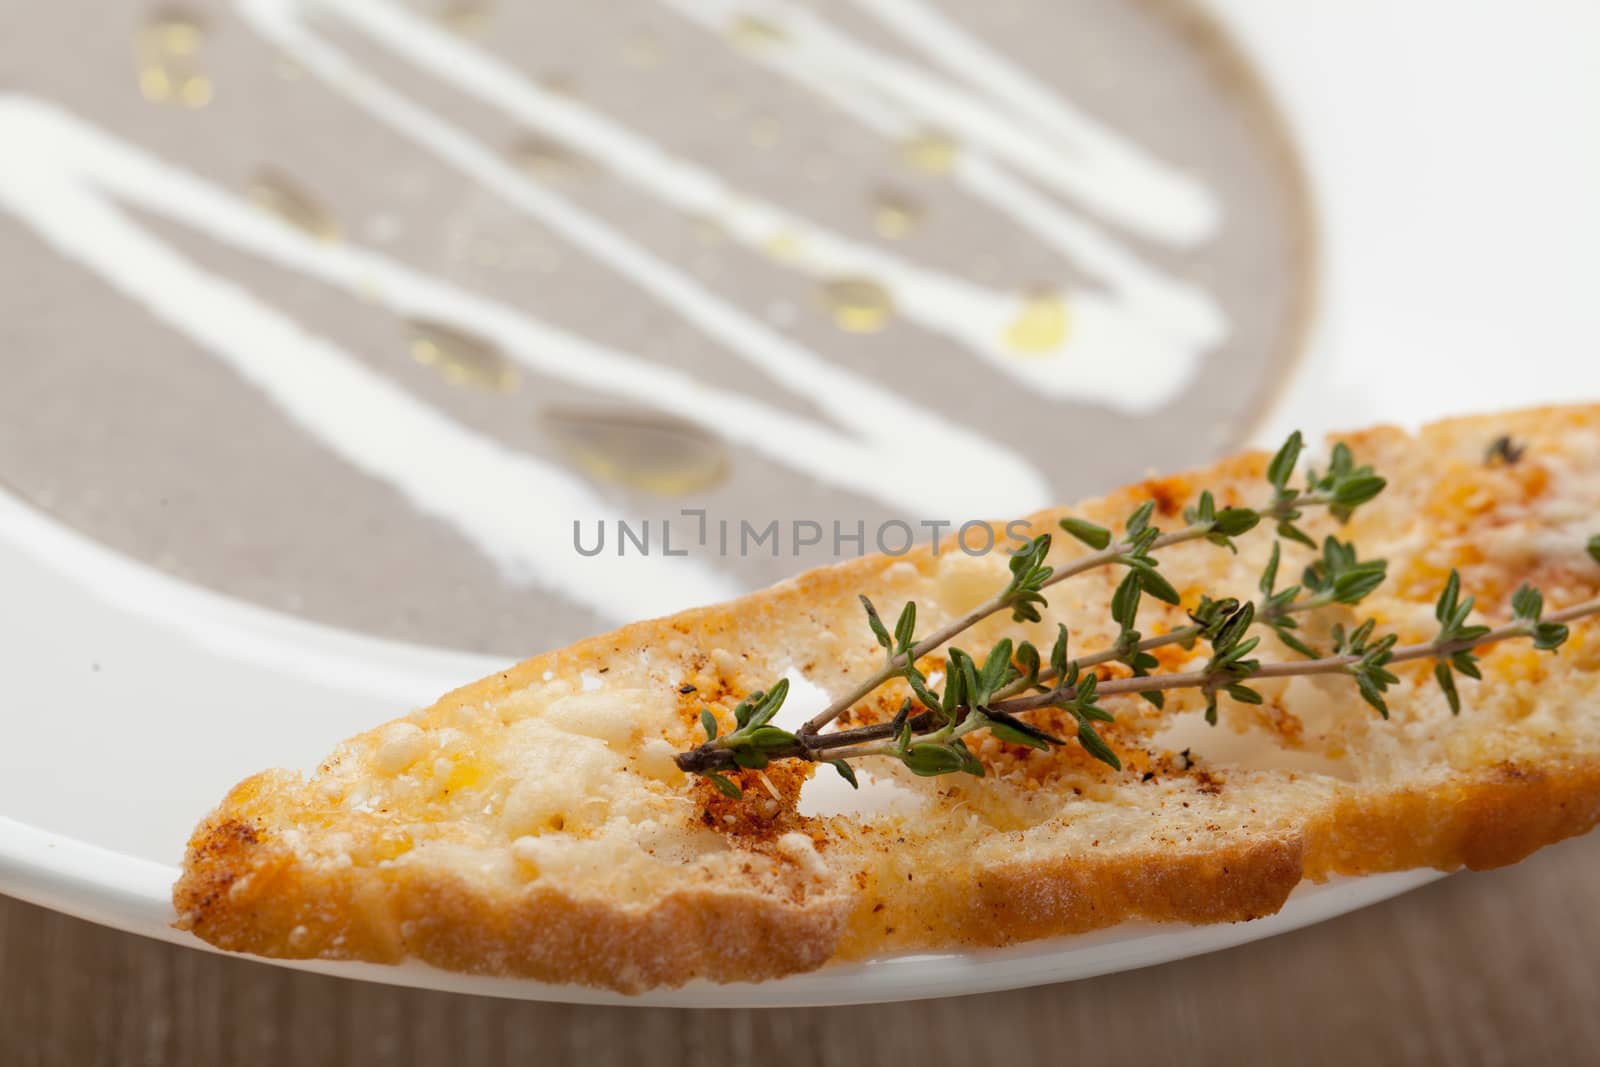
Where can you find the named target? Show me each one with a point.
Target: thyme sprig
(928, 733)
(1342, 488)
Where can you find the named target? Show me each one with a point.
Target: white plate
(148, 659)
(94, 837)
(1460, 247)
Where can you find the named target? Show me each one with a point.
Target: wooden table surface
(1498, 967)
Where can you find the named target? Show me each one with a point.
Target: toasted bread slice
(534, 823)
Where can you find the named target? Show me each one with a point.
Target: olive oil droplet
(559, 82)
(167, 47)
(930, 151)
(765, 131)
(709, 229)
(1040, 327)
(895, 215)
(548, 161)
(460, 358)
(280, 195)
(749, 31)
(782, 246)
(642, 450)
(466, 17)
(642, 50)
(858, 305)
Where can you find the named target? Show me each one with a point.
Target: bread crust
(248, 886)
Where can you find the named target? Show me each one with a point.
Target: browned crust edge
(284, 910)
(1492, 820)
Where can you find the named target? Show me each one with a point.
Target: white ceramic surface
(1460, 239)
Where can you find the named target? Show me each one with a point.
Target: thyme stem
(1105, 557)
(1182, 635)
(1293, 668)
(853, 743)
